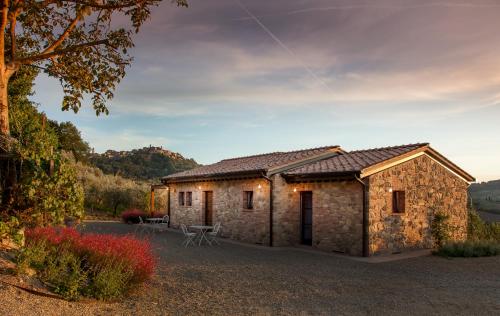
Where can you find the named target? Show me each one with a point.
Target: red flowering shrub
(135, 254)
(111, 264)
(132, 216)
(52, 235)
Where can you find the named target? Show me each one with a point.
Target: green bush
(33, 256)
(480, 230)
(483, 238)
(109, 280)
(440, 228)
(63, 271)
(469, 249)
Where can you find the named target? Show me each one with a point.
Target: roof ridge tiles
(282, 152)
(386, 148)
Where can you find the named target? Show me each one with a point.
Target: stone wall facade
(429, 188)
(337, 209)
(337, 214)
(237, 222)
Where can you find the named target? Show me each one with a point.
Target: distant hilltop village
(148, 163)
(113, 154)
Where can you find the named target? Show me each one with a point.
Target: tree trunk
(8, 172)
(4, 104)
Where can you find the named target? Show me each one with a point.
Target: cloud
(197, 61)
(382, 71)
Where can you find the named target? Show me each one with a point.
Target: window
(248, 200)
(398, 201)
(189, 198)
(181, 198)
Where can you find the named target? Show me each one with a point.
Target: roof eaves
(377, 167)
(424, 149)
(321, 176)
(214, 176)
(448, 163)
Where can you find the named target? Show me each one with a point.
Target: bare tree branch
(100, 4)
(59, 52)
(64, 35)
(13, 21)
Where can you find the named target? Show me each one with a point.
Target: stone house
(366, 202)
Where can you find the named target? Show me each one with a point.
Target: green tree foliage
(48, 189)
(112, 193)
(70, 140)
(148, 163)
(78, 42)
(34, 141)
(440, 228)
(480, 230)
(47, 199)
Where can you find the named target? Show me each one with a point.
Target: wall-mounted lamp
(390, 190)
(260, 187)
(294, 189)
(199, 188)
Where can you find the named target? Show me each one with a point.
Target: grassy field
(486, 196)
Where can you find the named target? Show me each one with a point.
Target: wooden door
(208, 212)
(306, 210)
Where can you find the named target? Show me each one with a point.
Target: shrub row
(94, 265)
(483, 239)
(480, 230)
(469, 248)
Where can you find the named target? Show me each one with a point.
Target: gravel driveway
(232, 280)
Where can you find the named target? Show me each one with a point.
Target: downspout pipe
(271, 208)
(366, 245)
(168, 206)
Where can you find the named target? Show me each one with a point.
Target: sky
(228, 78)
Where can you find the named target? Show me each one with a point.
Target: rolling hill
(148, 163)
(486, 196)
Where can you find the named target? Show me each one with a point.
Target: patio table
(203, 230)
(154, 220)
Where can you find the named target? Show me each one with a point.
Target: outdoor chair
(142, 227)
(212, 236)
(188, 236)
(163, 225)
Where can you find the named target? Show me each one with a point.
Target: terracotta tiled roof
(257, 163)
(353, 161)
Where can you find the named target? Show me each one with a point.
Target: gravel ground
(232, 279)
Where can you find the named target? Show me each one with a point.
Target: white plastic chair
(188, 236)
(212, 236)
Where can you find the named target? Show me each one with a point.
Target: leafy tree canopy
(70, 140)
(48, 188)
(80, 42)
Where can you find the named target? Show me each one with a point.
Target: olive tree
(80, 42)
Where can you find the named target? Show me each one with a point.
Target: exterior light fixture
(260, 186)
(199, 188)
(390, 190)
(294, 189)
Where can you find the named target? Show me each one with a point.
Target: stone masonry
(237, 223)
(429, 188)
(337, 214)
